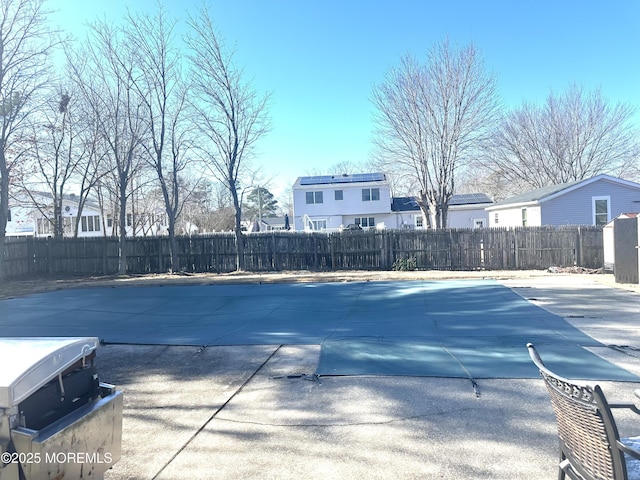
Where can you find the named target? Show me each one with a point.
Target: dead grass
(25, 286)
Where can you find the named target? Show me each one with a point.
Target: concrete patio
(241, 412)
(257, 411)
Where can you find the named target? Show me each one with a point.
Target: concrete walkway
(236, 412)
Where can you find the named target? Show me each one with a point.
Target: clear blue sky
(320, 59)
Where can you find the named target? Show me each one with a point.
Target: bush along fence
(447, 249)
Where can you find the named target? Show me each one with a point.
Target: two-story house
(329, 202)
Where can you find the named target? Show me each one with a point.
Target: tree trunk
(425, 209)
(58, 231)
(122, 244)
(238, 231)
(4, 212)
(173, 243)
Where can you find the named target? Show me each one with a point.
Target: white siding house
(468, 211)
(331, 202)
(594, 201)
(407, 213)
(32, 215)
(328, 202)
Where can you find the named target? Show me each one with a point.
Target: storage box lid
(26, 364)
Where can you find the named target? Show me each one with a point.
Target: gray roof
(409, 204)
(539, 194)
(404, 204)
(68, 197)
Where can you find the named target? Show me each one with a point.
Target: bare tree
(209, 209)
(104, 70)
(25, 46)
(229, 114)
(55, 154)
(159, 83)
(431, 118)
(93, 162)
(572, 136)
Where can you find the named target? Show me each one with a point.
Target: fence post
(515, 249)
(159, 241)
(332, 251)
(104, 255)
(451, 250)
(579, 247)
(49, 255)
(274, 254)
(383, 251)
(31, 256)
(314, 244)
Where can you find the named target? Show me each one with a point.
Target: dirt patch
(13, 288)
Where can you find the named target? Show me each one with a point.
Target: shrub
(405, 264)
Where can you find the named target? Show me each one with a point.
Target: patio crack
(213, 416)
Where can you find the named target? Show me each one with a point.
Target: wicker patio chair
(590, 446)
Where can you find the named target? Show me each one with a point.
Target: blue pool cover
(466, 328)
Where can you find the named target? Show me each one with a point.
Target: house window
(338, 195)
(370, 194)
(90, 223)
(319, 224)
(9, 215)
(495, 218)
(44, 226)
(314, 197)
(601, 210)
(419, 221)
(365, 221)
(129, 219)
(109, 221)
(524, 217)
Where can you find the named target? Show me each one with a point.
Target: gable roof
(32, 196)
(544, 194)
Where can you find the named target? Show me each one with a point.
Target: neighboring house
(330, 202)
(143, 224)
(20, 221)
(594, 201)
(32, 215)
(407, 213)
(467, 210)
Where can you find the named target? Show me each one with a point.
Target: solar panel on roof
(469, 199)
(329, 179)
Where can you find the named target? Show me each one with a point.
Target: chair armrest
(628, 450)
(629, 406)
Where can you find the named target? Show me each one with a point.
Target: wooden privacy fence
(447, 249)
